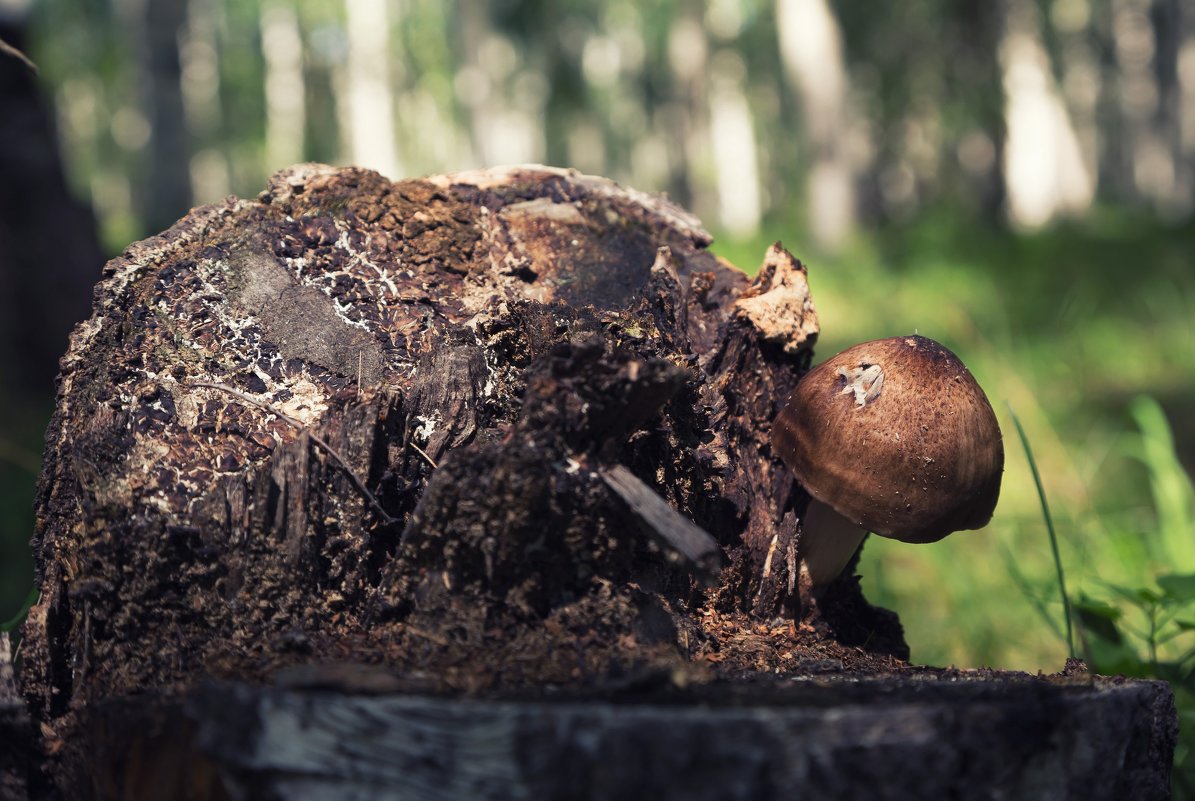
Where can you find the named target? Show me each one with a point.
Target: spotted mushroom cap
(897, 437)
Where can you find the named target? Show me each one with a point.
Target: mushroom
(892, 436)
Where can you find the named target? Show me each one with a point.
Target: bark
(167, 190)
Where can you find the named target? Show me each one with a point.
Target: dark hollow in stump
(498, 432)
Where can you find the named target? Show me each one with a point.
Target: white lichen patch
(307, 403)
(426, 426)
(344, 312)
(85, 332)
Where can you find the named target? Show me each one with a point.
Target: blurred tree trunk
(688, 122)
(1045, 175)
(732, 142)
(49, 252)
(1169, 34)
(282, 46)
(168, 178)
(49, 258)
(812, 52)
(566, 87)
(473, 85)
(200, 54)
(367, 95)
(1116, 128)
(974, 78)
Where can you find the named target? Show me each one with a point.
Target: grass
(1067, 614)
(1146, 628)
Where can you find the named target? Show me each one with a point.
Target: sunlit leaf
(1174, 497)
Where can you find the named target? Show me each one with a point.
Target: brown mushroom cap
(897, 437)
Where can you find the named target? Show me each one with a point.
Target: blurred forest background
(1011, 177)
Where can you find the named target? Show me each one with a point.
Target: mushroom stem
(828, 541)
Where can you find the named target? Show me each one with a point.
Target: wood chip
(675, 531)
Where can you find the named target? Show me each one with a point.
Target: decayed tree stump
(408, 422)
(496, 432)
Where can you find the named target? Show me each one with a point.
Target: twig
(316, 438)
(5, 47)
(283, 416)
(422, 453)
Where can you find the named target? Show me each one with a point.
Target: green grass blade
(1045, 510)
(1174, 498)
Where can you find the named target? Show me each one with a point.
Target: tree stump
(501, 433)
(339, 732)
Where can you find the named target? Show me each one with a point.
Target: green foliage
(1173, 497)
(1146, 629)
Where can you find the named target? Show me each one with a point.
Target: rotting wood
(421, 425)
(383, 515)
(340, 417)
(352, 731)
